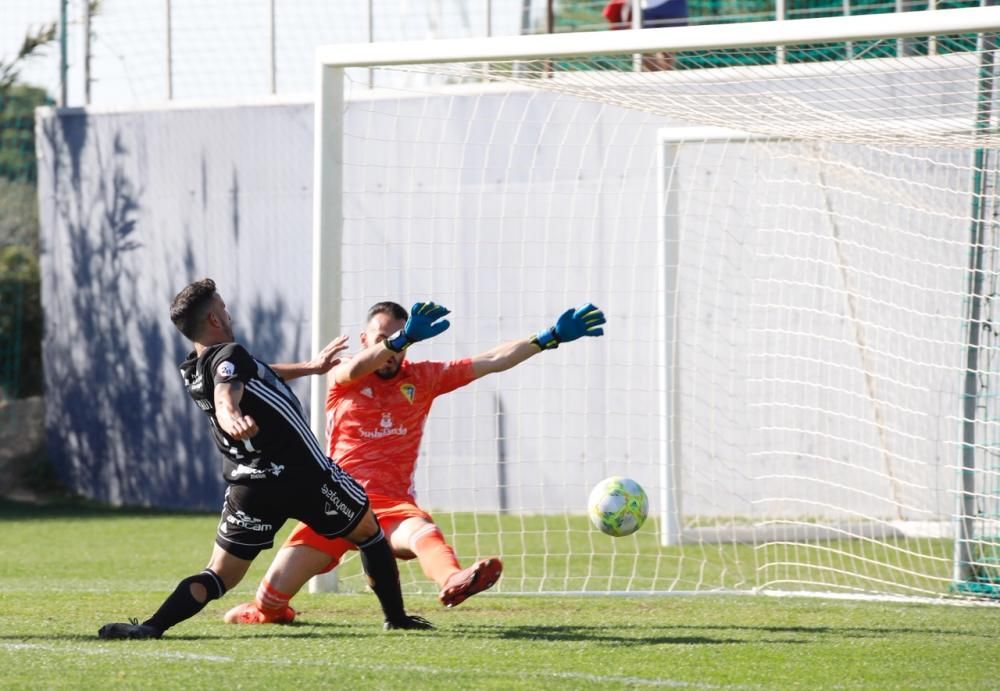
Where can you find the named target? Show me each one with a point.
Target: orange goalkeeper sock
(270, 600)
(436, 556)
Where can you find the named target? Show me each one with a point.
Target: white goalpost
(793, 235)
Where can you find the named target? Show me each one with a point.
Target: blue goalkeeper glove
(574, 323)
(420, 326)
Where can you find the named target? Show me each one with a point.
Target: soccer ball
(618, 506)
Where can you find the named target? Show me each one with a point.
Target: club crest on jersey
(409, 391)
(225, 370)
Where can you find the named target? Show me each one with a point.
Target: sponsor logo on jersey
(409, 391)
(256, 473)
(336, 505)
(226, 370)
(247, 522)
(367, 392)
(385, 429)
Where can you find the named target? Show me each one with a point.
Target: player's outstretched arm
(321, 363)
(574, 323)
(425, 321)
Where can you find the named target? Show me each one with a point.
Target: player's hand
(571, 325)
(238, 426)
(422, 324)
(329, 356)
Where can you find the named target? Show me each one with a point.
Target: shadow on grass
(286, 632)
(845, 631)
(594, 634)
(666, 635)
(697, 635)
(290, 632)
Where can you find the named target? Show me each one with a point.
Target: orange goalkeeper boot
(249, 613)
(464, 584)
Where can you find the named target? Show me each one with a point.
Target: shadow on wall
(119, 426)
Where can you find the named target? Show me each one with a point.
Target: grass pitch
(65, 571)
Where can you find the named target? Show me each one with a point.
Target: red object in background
(618, 13)
(658, 13)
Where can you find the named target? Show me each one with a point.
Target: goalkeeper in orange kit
(376, 407)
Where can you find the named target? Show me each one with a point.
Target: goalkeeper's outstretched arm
(574, 323)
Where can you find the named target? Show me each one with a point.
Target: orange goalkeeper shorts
(389, 511)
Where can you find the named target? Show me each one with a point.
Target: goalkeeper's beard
(390, 369)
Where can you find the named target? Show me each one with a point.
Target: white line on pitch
(119, 647)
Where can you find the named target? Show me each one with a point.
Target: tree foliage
(10, 71)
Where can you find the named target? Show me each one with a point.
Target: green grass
(66, 570)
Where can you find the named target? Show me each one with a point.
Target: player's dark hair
(393, 309)
(190, 307)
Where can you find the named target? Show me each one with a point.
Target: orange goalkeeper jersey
(375, 425)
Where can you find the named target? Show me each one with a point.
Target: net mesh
(781, 238)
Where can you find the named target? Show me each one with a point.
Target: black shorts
(331, 502)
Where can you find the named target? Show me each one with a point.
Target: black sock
(383, 575)
(181, 604)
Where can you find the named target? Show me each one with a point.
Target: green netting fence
(20, 304)
(585, 15)
(11, 326)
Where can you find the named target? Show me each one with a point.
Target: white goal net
(792, 233)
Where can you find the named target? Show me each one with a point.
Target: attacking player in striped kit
(273, 464)
(377, 405)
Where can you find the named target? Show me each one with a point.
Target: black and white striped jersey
(284, 441)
